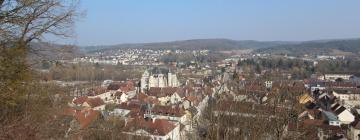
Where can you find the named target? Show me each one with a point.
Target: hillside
(329, 47)
(47, 51)
(196, 44)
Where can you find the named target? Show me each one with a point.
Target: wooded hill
(329, 47)
(195, 44)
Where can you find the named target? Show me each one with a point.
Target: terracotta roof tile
(168, 111)
(159, 127)
(85, 117)
(191, 98)
(162, 92)
(94, 102)
(80, 100)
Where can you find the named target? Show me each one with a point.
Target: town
(179, 70)
(223, 99)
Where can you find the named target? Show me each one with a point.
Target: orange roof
(161, 92)
(191, 98)
(100, 90)
(160, 127)
(141, 96)
(123, 86)
(85, 117)
(80, 100)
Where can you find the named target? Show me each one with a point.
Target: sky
(109, 22)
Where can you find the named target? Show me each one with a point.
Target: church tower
(145, 81)
(169, 79)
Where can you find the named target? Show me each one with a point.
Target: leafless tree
(21, 23)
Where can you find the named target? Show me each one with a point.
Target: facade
(268, 84)
(354, 131)
(158, 77)
(333, 77)
(346, 95)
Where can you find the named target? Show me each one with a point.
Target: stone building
(158, 77)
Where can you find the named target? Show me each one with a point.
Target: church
(158, 77)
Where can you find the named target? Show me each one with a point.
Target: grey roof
(330, 116)
(159, 70)
(340, 110)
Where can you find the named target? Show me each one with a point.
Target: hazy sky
(130, 21)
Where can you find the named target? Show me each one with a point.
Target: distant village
(132, 56)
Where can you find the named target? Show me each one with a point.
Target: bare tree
(21, 23)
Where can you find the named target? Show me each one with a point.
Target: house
(85, 117)
(344, 115)
(120, 112)
(305, 98)
(79, 101)
(121, 97)
(94, 103)
(311, 82)
(315, 129)
(175, 98)
(334, 77)
(341, 85)
(331, 118)
(156, 129)
(346, 94)
(171, 113)
(268, 84)
(354, 130)
(190, 101)
(107, 97)
(166, 95)
(318, 86)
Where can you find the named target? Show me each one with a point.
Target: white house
(344, 115)
(175, 98)
(268, 84)
(124, 98)
(333, 77)
(317, 87)
(345, 95)
(120, 112)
